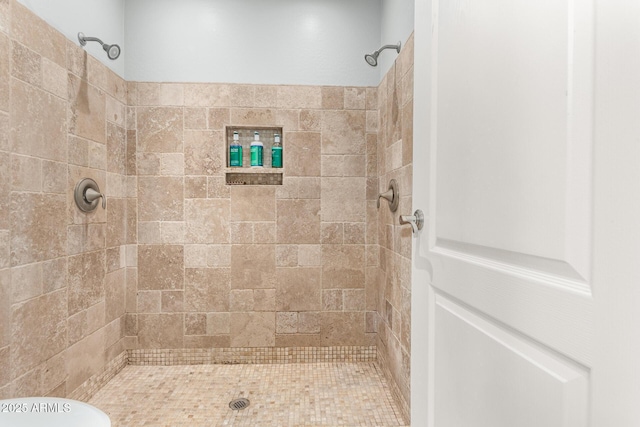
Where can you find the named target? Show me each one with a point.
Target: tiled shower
(181, 267)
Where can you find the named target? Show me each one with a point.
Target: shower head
(372, 58)
(113, 50)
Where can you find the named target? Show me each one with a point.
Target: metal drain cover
(237, 404)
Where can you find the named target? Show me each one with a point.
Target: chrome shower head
(113, 50)
(372, 58)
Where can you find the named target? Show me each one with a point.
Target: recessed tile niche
(246, 174)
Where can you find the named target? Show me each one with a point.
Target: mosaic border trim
(405, 409)
(88, 388)
(205, 356)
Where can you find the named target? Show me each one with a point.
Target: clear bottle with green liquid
(276, 152)
(256, 151)
(235, 152)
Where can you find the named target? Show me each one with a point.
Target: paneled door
(528, 116)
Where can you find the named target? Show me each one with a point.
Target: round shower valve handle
(86, 195)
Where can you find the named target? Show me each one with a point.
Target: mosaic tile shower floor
(300, 394)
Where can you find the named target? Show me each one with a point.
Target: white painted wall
(96, 18)
(396, 25)
(238, 41)
(252, 41)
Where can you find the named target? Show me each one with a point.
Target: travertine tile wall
(254, 266)
(191, 261)
(395, 157)
(62, 276)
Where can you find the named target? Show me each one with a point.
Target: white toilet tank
(50, 412)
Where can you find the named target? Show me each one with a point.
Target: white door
(526, 289)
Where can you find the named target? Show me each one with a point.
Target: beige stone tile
(165, 330)
(38, 224)
(407, 134)
(286, 255)
(26, 64)
(354, 233)
(195, 187)
(288, 119)
(172, 301)
(5, 131)
(298, 221)
(241, 95)
(218, 323)
(310, 120)
(217, 188)
(343, 199)
(195, 256)
(309, 187)
(29, 332)
(5, 16)
(264, 299)
(160, 198)
(26, 282)
(160, 129)
(265, 96)
(219, 256)
(298, 340)
(54, 78)
(242, 232)
(332, 233)
(343, 132)
(298, 289)
(114, 295)
(195, 118)
(253, 116)
(207, 220)
(241, 300)
(342, 328)
(78, 151)
(5, 249)
(5, 360)
(302, 153)
(343, 266)
(160, 267)
(5, 74)
(309, 255)
(332, 300)
(286, 322)
(354, 299)
(5, 307)
(36, 34)
(253, 329)
(86, 280)
(38, 122)
(216, 341)
(355, 165)
(160, 94)
(218, 118)
(309, 322)
(299, 97)
(116, 225)
(149, 233)
(253, 203)
(253, 266)
(87, 110)
(54, 177)
(372, 98)
(116, 149)
(355, 98)
(332, 97)
(195, 324)
(149, 302)
(207, 95)
(264, 232)
(131, 157)
(204, 153)
(372, 155)
(148, 163)
(26, 173)
(332, 165)
(207, 289)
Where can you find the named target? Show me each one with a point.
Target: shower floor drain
(237, 404)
